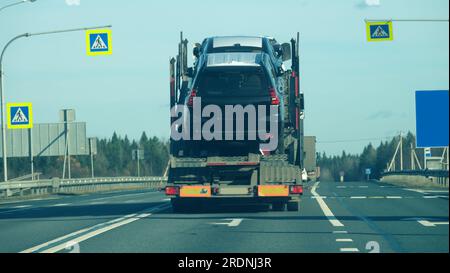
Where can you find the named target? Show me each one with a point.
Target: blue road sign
(432, 118)
(379, 31)
(20, 115)
(368, 171)
(99, 42)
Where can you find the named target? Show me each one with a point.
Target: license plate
(195, 191)
(273, 191)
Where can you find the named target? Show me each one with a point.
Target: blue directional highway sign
(432, 119)
(20, 115)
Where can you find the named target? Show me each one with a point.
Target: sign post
(368, 173)
(138, 155)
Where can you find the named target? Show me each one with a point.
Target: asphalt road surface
(335, 217)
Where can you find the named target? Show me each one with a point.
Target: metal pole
(92, 157)
(2, 93)
(407, 20)
(424, 159)
(30, 137)
(413, 165)
(138, 167)
(5, 159)
(401, 152)
(68, 149)
(17, 3)
(447, 158)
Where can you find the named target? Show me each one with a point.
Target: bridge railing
(80, 185)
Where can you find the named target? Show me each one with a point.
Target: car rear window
(233, 82)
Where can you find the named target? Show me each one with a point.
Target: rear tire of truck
(279, 206)
(293, 206)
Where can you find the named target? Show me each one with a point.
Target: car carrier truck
(237, 70)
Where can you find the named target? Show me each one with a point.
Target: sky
(355, 91)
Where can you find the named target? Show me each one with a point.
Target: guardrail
(59, 186)
(440, 177)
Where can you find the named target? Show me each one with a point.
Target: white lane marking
(426, 223)
(167, 199)
(431, 197)
(120, 196)
(426, 191)
(363, 187)
(22, 207)
(358, 197)
(344, 240)
(61, 205)
(97, 203)
(233, 223)
(28, 200)
(96, 230)
(33, 249)
(394, 197)
(434, 196)
(317, 197)
(376, 197)
(325, 209)
(340, 232)
(349, 250)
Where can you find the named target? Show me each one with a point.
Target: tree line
(114, 158)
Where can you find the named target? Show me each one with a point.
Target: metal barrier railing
(56, 185)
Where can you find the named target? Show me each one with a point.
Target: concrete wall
(416, 181)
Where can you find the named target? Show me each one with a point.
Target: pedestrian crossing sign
(98, 42)
(379, 31)
(20, 115)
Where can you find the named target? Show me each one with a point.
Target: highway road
(335, 218)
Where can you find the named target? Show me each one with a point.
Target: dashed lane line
(349, 250)
(345, 240)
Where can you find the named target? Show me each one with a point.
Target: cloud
(73, 2)
(381, 115)
(368, 4)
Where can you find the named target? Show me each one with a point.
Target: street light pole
(2, 89)
(17, 3)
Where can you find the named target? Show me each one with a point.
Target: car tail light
(215, 191)
(274, 97)
(191, 97)
(173, 191)
(296, 189)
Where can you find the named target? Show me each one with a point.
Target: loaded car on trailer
(238, 73)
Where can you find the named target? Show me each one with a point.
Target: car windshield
(235, 49)
(233, 82)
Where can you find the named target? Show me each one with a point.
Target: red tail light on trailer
(172, 191)
(274, 97)
(296, 189)
(191, 97)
